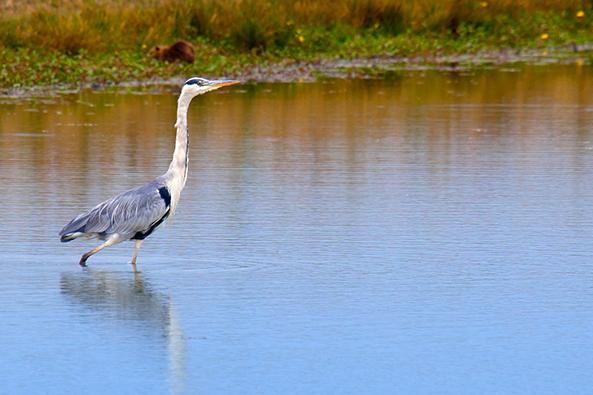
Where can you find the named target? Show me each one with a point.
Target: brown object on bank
(181, 50)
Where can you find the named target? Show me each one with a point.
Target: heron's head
(197, 86)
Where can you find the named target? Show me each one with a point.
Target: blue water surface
(426, 234)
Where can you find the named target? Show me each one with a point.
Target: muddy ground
(373, 67)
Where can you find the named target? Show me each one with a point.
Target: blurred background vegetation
(87, 40)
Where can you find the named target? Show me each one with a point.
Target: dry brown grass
(73, 25)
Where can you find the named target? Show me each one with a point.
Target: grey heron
(136, 213)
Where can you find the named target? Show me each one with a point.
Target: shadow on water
(132, 300)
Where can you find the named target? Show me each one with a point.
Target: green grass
(83, 41)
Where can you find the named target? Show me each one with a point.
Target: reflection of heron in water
(131, 299)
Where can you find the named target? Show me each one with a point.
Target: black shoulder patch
(165, 195)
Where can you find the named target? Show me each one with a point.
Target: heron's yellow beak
(220, 83)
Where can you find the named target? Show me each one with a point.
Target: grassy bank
(74, 41)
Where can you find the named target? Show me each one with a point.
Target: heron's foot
(83, 259)
(134, 267)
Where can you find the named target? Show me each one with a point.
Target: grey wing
(134, 211)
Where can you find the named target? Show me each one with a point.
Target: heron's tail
(74, 229)
(70, 236)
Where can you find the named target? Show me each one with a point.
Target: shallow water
(429, 233)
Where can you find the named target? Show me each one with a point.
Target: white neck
(177, 173)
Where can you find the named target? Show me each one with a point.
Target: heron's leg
(137, 244)
(86, 256)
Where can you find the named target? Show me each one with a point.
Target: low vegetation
(73, 41)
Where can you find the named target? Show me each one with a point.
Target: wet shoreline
(292, 71)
